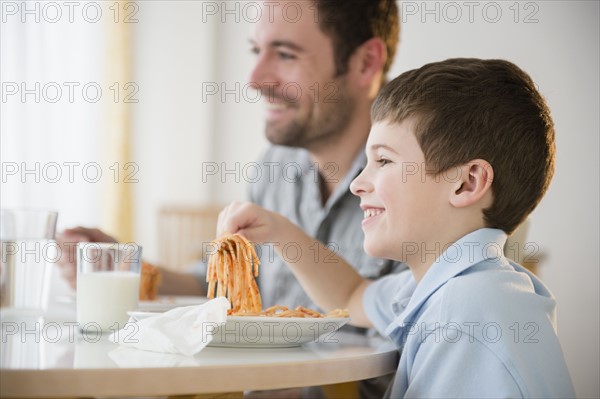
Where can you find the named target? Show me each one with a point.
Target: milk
(105, 297)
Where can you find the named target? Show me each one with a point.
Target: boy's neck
(429, 251)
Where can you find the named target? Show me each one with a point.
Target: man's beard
(324, 123)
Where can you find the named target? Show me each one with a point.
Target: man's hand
(327, 278)
(253, 222)
(67, 240)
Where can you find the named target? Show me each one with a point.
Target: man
(318, 74)
(338, 57)
(338, 64)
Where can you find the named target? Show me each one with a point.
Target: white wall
(195, 121)
(48, 158)
(172, 128)
(239, 129)
(176, 131)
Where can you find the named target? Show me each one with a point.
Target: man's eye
(254, 50)
(286, 56)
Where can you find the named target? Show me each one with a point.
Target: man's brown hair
(350, 23)
(470, 109)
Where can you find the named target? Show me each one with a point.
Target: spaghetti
(232, 269)
(300, 311)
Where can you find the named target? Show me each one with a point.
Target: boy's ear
(368, 61)
(473, 184)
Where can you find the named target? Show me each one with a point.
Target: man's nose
(261, 73)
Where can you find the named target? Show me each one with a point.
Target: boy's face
(403, 206)
(295, 73)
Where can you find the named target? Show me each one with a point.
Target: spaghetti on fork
(231, 272)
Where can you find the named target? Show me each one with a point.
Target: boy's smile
(371, 212)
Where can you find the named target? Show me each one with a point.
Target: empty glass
(27, 253)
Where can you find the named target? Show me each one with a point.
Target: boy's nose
(361, 185)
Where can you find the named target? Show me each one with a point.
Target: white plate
(269, 332)
(168, 302)
(276, 332)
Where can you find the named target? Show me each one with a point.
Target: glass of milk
(27, 252)
(108, 284)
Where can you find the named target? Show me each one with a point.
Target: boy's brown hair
(470, 109)
(351, 23)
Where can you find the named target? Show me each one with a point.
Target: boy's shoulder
(500, 312)
(490, 317)
(497, 294)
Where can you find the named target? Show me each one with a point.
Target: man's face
(307, 106)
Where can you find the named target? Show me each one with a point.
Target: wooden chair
(184, 232)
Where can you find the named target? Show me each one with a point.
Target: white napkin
(126, 357)
(186, 330)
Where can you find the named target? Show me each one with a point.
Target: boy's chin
(375, 250)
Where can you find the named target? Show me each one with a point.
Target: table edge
(191, 380)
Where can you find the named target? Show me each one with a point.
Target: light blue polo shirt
(477, 325)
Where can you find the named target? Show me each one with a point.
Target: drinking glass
(27, 252)
(108, 284)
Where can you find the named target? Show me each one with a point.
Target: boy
(460, 152)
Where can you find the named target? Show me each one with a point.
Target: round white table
(49, 358)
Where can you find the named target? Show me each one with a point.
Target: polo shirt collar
(481, 245)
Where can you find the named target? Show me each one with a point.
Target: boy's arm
(460, 365)
(327, 279)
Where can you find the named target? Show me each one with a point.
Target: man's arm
(173, 283)
(327, 279)
(67, 242)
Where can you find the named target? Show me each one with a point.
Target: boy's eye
(383, 161)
